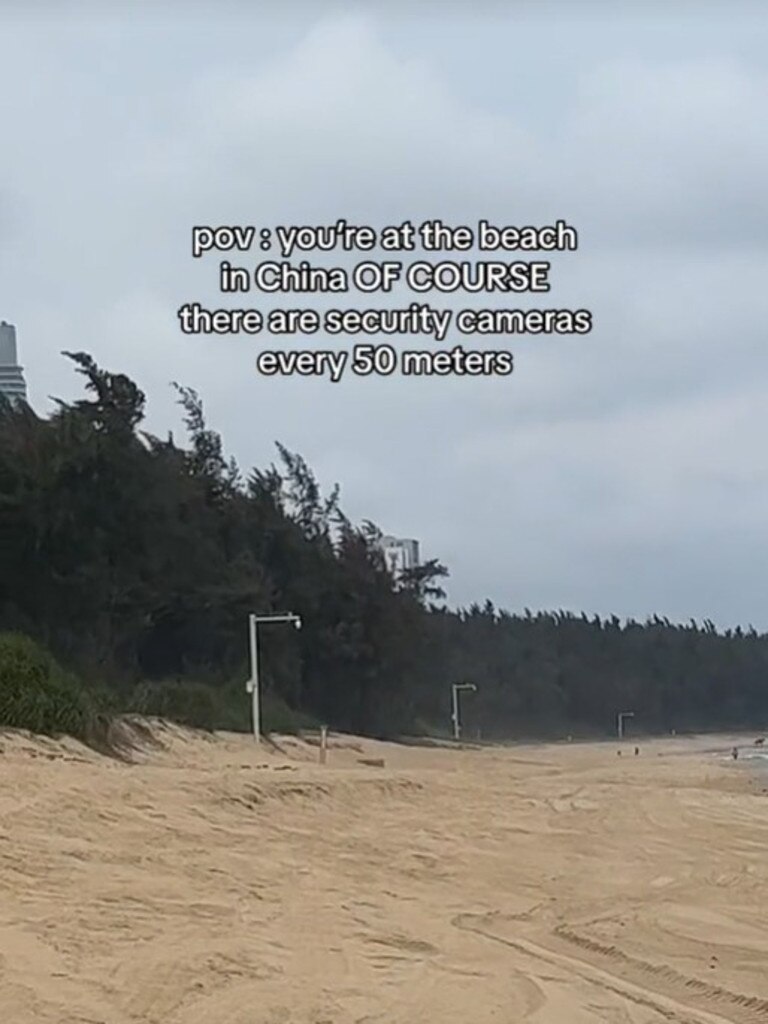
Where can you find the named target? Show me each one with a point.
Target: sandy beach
(212, 882)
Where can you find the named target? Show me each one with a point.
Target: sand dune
(211, 882)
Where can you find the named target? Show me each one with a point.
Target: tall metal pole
(253, 638)
(455, 703)
(620, 722)
(254, 646)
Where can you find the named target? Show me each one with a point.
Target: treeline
(135, 561)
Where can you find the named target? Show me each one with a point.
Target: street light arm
(281, 617)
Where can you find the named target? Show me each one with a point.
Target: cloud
(682, 156)
(579, 480)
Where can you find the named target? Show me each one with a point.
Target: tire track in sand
(685, 1001)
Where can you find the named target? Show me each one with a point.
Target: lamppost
(455, 688)
(252, 686)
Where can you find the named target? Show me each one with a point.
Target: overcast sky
(625, 471)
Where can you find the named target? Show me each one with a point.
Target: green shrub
(185, 702)
(234, 710)
(37, 694)
(235, 715)
(279, 717)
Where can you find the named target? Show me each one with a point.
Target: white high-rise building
(12, 383)
(400, 554)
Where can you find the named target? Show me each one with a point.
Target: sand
(210, 882)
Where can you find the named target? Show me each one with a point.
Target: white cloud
(566, 483)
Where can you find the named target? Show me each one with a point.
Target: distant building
(11, 375)
(399, 554)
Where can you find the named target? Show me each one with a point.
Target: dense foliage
(137, 561)
(36, 694)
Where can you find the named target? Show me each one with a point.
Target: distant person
(735, 753)
(637, 751)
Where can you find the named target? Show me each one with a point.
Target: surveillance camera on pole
(620, 722)
(252, 685)
(455, 689)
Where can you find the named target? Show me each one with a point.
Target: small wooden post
(323, 743)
